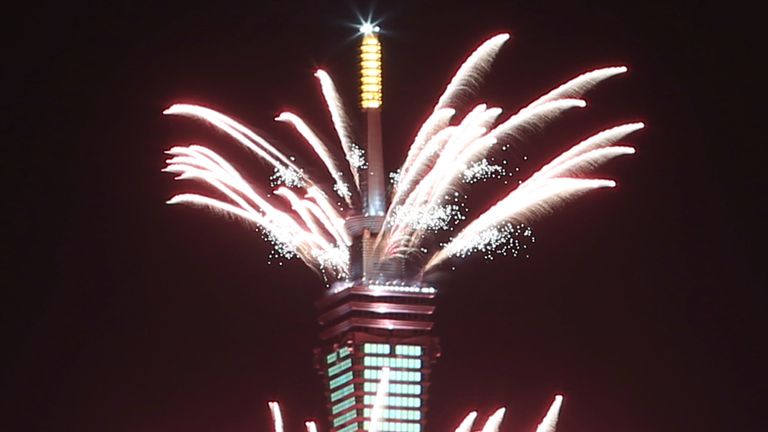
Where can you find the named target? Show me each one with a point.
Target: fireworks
(424, 219)
(548, 423)
(303, 219)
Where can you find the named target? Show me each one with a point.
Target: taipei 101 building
(373, 320)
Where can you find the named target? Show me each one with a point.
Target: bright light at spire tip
(368, 28)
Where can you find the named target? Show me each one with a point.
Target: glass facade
(394, 375)
(371, 348)
(353, 380)
(344, 418)
(396, 401)
(345, 378)
(396, 427)
(333, 370)
(338, 394)
(408, 350)
(394, 388)
(396, 414)
(341, 406)
(376, 361)
(349, 428)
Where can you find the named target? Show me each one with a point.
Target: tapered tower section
(375, 320)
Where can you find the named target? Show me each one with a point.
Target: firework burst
(309, 219)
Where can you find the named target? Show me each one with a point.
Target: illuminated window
(396, 414)
(341, 380)
(394, 388)
(341, 406)
(331, 358)
(371, 348)
(395, 375)
(345, 391)
(401, 363)
(349, 428)
(333, 370)
(344, 352)
(396, 401)
(408, 350)
(395, 427)
(344, 418)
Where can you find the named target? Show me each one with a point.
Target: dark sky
(642, 304)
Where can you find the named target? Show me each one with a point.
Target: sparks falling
(307, 219)
(548, 423)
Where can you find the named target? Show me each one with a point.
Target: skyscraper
(375, 320)
(366, 327)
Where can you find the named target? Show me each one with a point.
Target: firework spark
(448, 153)
(548, 423)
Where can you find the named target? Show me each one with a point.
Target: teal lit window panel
(341, 406)
(344, 391)
(344, 418)
(344, 352)
(349, 428)
(398, 363)
(374, 348)
(345, 378)
(330, 358)
(394, 388)
(395, 426)
(333, 370)
(394, 375)
(408, 350)
(395, 401)
(396, 414)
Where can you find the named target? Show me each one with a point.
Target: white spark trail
(549, 422)
(470, 128)
(277, 416)
(311, 426)
(195, 199)
(585, 162)
(340, 122)
(420, 166)
(218, 181)
(472, 70)
(322, 200)
(307, 217)
(535, 116)
(377, 413)
(465, 146)
(319, 147)
(201, 152)
(436, 122)
(542, 191)
(229, 209)
(494, 421)
(521, 205)
(446, 154)
(242, 134)
(194, 158)
(279, 225)
(581, 84)
(466, 424)
(341, 237)
(189, 172)
(599, 140)
(312, 246)
(450, 172)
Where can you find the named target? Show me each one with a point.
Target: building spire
(371, 101)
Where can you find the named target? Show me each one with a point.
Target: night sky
(642, 304)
